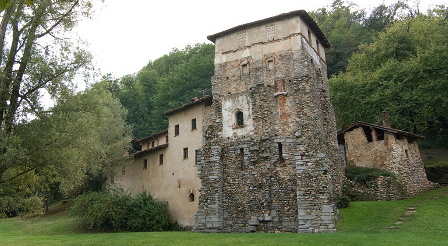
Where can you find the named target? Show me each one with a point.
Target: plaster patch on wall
(230, 106)
(311, 51)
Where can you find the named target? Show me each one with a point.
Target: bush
(366, 175)
(147, 214)
(101, 211)
(343, 201)
(107, 211)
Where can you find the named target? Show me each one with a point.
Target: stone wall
(284, 175)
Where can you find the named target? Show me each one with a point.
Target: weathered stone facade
(374, 146)
(270, 161)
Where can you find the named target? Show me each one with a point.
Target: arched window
(239, 118)
(191, 197)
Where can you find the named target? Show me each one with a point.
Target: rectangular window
(176, 130)
(309, 36)
(195, 157)
(161, 159)
(317, 46)
(193, 124)
(145, 164)
(185, 153)
(166, 139)
(153, 143)
(280, 153)
(245, 69)
(241, 155)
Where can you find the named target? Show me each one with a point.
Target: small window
(270, 64)
(145, 164)
(280, 153)
(148, 146)
(245, 68)
(193, 124)
(317, 46)
(195, 157)
(406, 152)
(153, 143)
(166, 139)
(186, 153)
(176, 130)
(161, 159)
(239, 119)
(191, 197)
(309, 36)
(241, 156)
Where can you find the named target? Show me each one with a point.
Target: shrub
(343, 201)
(101, 211)
(366, 175)
(147, 214)
(106, 211)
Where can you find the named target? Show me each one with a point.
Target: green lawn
(364, 223)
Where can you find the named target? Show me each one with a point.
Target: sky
(124, 36)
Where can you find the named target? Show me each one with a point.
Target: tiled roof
(384, 128)
(207, 99)
(302, 13)
(151, 137)
(139, 153)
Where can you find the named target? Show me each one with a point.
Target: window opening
(309, 36)
(148, 146)
(241, 155)
(191, 197)
(368, 134)
(245, 69)
(193, 124)
(176, 130)
(280, 152)
(186, 153)
(145, 164)
(406, 152)
(161, 159)
(166, 139)
(270, 64)
(153, 143)
(239, 119)
(317, 46)
(195, 157)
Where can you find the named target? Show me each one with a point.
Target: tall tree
(163, 84)
(83, 138)
(405, 72)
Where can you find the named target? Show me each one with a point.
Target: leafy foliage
(404, 72)
(105, 211)
(164, 84)
(366, 175)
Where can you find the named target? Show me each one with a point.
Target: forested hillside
(163, 84)
(393, 58)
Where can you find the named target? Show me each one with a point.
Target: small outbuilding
(383, 147)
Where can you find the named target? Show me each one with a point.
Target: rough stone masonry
(270, 161)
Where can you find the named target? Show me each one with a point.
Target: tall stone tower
(270, 161)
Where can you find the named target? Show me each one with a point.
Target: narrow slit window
(186, 153)
(176, 130)
(145, 164)
(241, 156)
(193, 124)
(166, 139)
(317, 46)
(245, 69)
(191, 197)
(280, 152)
(239, 119)
(406, 152)
(309, 36)
(161, 159)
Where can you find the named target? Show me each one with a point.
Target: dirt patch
(59, 209)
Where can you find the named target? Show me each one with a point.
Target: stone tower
(270, 161)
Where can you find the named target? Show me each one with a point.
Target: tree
(405, 71)
(84, 138)
(164, 84)
(36, 56)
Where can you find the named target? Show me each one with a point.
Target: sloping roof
(139, 153)
(378, 127)
(207, 99)
(151, 137)
(301, 13)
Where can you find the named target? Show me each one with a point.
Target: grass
(435, 157)
(364, 223)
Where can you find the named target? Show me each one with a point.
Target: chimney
(386, 119)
